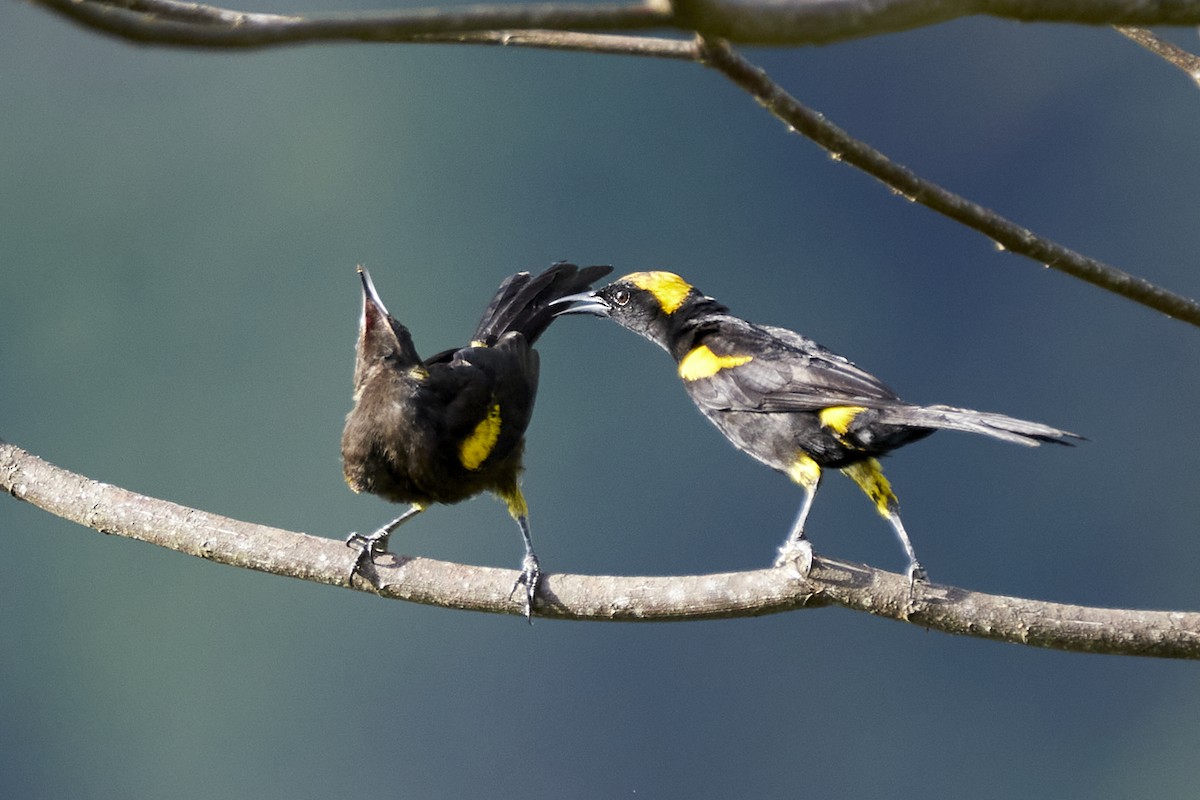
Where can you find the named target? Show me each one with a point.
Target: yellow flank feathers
(869, 477)
(478, 446)
(805, 472)
(838, 418)
(668, 289)
(704, 363)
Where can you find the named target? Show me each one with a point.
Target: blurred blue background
(178, 309)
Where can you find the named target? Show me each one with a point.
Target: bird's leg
(375, 543)
(869, 477)
(915, 572)
(796, 549)
(531, 571)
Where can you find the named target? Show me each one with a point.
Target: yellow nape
(805, 472)
(478, 343)
(869, 477)
(838, 418)
(478, 446)
(702, 363)
(668, 289)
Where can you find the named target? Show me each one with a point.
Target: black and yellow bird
(446, 428)
(787, 401)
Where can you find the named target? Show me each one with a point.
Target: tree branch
(793, 22)
(112, 510)
(1007, 234)
(195, 25)
(545, 26)
(1177, 56)
(779, 22)
(605, 44)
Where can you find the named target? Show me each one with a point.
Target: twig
(1188, 62)
(117, 511)
(1007, 234)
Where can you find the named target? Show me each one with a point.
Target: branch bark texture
(113, 510)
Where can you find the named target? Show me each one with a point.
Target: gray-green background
(178, 236)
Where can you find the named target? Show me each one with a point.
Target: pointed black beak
(583, 303)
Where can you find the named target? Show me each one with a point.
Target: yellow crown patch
(668, 289)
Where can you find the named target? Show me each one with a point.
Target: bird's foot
(368, 547)
(530, 577)
(798, 554)
(916, 574)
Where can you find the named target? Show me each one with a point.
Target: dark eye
(621, 296)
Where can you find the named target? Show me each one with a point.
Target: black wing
(785, 372)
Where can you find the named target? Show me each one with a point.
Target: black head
(647, 303)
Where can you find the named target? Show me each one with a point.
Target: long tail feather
(522, 303)
(997, 426)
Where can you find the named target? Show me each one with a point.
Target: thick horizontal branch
(1006, 234)
(777, 22)
(112, 510)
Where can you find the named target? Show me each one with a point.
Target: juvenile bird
(446, 428)
(785, 400)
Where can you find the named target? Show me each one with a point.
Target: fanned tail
(998, 426)
(522, 303)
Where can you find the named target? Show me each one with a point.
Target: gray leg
(796, 549)
(531, 571)
(915, 572)
(375, 543)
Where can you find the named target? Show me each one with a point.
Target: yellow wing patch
(478, 446)
(838, 418)
(668, 289)
(704, 363)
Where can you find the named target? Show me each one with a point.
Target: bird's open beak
(582, 303)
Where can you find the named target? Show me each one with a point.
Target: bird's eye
(621, 296)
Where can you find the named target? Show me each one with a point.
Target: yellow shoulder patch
(701, 362)
(838, 418)
(478, 446)
(668, 289)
